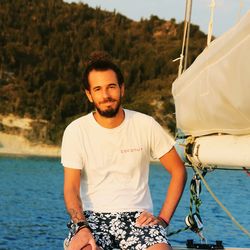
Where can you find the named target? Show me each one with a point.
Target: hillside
(45, 44)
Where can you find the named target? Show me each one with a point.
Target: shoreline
(19, 146)
(16, 145)
(17, 155)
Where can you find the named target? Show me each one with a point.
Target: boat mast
(185, 40)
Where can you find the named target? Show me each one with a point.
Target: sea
(33, 215)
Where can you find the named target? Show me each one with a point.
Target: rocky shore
(18, 145)
(13, 139)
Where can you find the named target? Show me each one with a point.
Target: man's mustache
(107, 100)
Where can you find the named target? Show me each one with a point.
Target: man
(106, 157)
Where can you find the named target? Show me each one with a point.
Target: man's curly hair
(101, 61)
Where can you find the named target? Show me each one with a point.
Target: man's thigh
(100, 225)
(130, 236)
(120, 231)
(161, 246)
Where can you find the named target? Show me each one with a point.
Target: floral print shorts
(118, 230)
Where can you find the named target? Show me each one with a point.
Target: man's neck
(110, 122)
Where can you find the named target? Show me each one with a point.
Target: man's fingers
(146, 218)
(147, 221)
(142, 218)
(154, 222)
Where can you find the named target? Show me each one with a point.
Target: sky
(226, 12)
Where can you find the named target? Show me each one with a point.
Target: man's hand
(147, 218)
(83, 239)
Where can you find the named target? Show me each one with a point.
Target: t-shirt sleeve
(161, 141)
(71, 155)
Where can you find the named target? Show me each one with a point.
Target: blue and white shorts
(118, 230)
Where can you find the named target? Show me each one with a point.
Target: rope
(188, 34)
(240, 9)
(210, 25)
(219, 202)
(184, 42)
(193, 200)
(195, 195)
(199, 166)
(195, 188)
(178, 231)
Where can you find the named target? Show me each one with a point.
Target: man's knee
(88, 247)
(160, 246)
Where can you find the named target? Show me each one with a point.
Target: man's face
(105, 92)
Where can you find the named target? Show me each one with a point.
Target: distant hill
(44, 45)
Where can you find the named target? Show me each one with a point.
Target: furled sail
(213, 94)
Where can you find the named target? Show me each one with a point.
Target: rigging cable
(210, 25)
(188, 34)
(184, 42)
(240, 10)
(219, 202)
(199, 165)
(193, 220)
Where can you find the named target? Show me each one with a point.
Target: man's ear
(87, 92)
(122, 90)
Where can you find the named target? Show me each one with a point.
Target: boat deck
(226, 248)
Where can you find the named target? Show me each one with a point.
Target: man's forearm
(74, 206)
(174, 165)
(175, 190)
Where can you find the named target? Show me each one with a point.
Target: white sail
(213, 94)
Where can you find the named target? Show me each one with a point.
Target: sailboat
(212, 104)
(212, 100)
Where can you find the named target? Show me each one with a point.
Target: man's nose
(105, 93)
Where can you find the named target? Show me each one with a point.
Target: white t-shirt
(114, 162)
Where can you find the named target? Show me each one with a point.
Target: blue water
(32, 213)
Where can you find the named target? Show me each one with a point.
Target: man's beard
(110, 112)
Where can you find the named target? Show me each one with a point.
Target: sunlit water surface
(33, 216)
